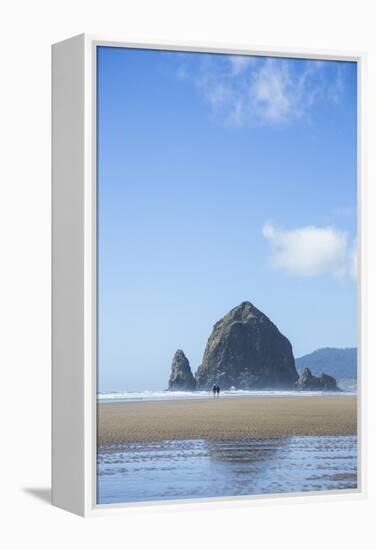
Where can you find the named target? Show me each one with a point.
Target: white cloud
(259, 90)
(311, 251)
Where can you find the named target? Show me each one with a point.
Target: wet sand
(226, 418)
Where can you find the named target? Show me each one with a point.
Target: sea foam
(165, 395)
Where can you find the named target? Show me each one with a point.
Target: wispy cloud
(278, 95)
(239, 63)
(311, 251)
(244, 90)
(337, 88)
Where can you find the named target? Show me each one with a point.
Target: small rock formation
(309, 382)
(181, 377)
(247, 351)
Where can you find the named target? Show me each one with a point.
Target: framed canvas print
(207, 290)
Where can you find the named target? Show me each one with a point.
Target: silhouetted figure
(215, 390)
(218, 390)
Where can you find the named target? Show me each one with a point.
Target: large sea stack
(247, 351)
(181, 377)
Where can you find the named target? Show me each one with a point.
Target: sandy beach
(226, 418)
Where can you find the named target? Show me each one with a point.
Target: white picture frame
(74, 297)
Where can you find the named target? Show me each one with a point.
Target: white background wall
(27, 30)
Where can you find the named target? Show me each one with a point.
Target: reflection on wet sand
(183, 469)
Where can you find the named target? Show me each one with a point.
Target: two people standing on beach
(216, 390)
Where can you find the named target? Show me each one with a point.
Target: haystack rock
(309, 382)
(181, 377)
(247, 351)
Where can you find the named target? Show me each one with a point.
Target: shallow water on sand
(167, 470)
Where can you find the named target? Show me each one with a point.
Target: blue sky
(221, 179)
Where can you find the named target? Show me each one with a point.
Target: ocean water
(170, 395)
(167, 470)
